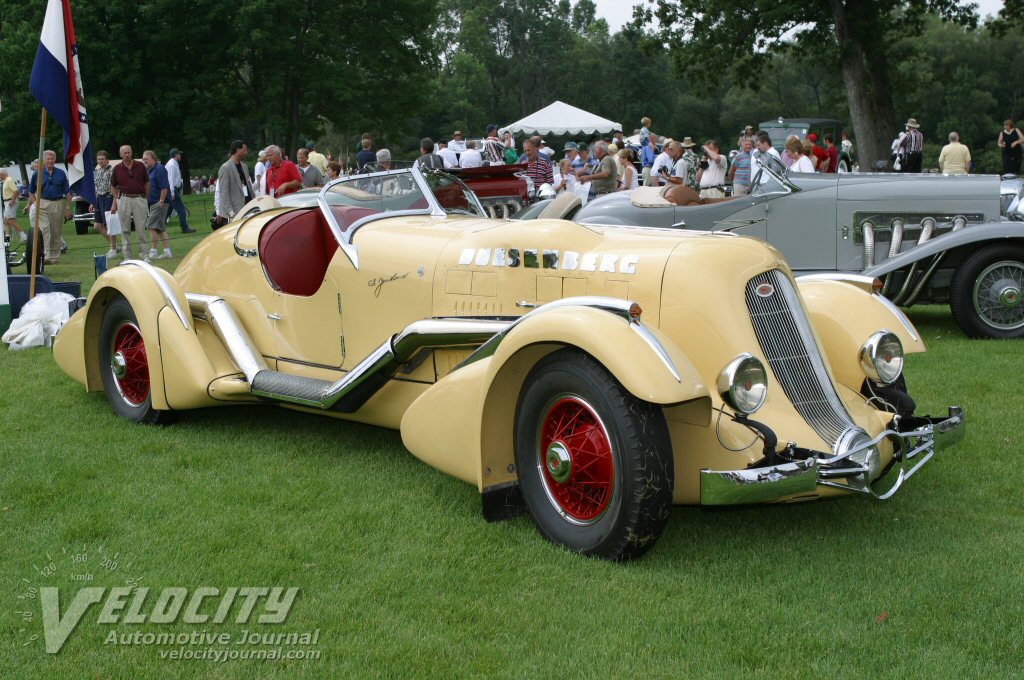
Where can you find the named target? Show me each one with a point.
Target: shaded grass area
(403, 577)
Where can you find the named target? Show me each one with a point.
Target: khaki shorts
(156, 220)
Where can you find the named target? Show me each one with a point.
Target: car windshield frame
(425, 181)
(777, 170)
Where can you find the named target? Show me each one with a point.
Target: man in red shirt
(283, 177)
(833, 155)
(130, 183)
(819, 153)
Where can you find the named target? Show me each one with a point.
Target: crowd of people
(148, 192)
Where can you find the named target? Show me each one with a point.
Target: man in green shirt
(606, 179)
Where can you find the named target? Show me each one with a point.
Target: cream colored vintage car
(592, 376)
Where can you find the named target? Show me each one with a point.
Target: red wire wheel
(576, 460)
(129, 365)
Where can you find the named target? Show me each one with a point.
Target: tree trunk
(869, 98)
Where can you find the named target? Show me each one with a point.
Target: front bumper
(919, 441)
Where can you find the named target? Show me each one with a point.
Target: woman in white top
(627, 178)
(801, 163)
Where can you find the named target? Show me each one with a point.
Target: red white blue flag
(57, 83)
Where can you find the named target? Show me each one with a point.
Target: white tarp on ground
(562, 119)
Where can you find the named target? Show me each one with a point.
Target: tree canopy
(196, 74)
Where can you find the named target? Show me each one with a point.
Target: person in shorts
(156, 218)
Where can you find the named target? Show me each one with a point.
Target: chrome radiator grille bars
(787, 343)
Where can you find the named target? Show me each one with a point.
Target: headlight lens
(743, 384)
(881, 357)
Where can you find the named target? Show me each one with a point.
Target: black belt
(717, 186)
(133, 195)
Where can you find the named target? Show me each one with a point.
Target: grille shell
(787, 342)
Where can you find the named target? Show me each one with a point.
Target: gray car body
(818, 221)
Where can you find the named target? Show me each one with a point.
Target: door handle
(274, 317)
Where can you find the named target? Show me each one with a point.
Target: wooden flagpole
(39, 208)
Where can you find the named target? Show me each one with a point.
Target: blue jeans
(177, 206)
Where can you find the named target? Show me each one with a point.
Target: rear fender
(167, 328)
(845, 315)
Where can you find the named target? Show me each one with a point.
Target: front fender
(976, 233)
(845, 315)
(477, 445)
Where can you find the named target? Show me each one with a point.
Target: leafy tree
(709, 37)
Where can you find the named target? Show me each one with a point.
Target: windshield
(771, 176)
(454, 197)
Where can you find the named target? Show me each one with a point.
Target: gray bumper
(913, 448)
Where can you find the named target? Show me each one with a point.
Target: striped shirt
(540, 170)
(742, 164)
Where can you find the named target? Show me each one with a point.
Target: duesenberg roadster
(930, 238)
(590, 376)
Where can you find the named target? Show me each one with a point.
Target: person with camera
(711, 175)
(235, 186)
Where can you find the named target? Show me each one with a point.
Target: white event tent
(559, 119)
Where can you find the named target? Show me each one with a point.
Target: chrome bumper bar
(911, 450)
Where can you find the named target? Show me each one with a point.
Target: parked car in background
(929, 238)
(781, 128)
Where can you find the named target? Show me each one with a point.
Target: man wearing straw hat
(910, 147)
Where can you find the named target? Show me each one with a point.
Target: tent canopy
(561, 119)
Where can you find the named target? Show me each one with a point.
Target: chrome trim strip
(351, 251)
(164, 287)
(898, 313)
(615, 306)
(859, 280)
(758, 485)
(228, 327)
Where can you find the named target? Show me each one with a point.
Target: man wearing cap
(910, 147)
(458, 145)
(820, 154)
(316, 159)
(174, 202)
(494, 150)
(572, 154)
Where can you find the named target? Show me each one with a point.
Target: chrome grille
(787, 342)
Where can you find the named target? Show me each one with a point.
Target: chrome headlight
(881, 357)
(743, 384)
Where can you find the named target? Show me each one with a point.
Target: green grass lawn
(402, 576)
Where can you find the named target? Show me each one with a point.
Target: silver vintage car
(929, 238)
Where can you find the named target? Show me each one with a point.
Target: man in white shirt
(174, 180)
(260, 173)
(663, 163)
(450, 159)
(712, 177)
(471, 157)
(763, 142)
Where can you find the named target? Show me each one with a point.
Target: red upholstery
(295, 250)
(347, 215)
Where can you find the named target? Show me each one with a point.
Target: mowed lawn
(402, 577)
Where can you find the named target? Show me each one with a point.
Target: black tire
(618, 509)
(122, 350)
(985, 294)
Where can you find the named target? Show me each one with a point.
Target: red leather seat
(295, 250)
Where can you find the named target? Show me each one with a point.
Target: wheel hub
(559, 462)
(118, 365)
(1009, 295)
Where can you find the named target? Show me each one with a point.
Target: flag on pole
(57, 83)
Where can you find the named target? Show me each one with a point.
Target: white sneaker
(23, 235)
(166, 255)
(111, 254)
(152, 254)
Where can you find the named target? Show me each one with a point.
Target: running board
(355, 388)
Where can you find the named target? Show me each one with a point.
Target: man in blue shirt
(647, 155)
(54, 205)
(156, 220)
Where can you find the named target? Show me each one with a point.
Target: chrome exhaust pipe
(226, 324)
